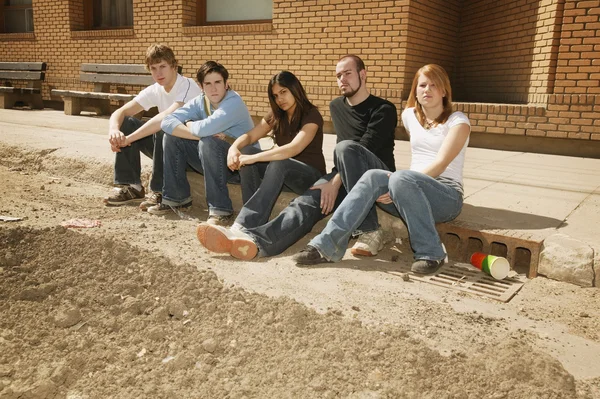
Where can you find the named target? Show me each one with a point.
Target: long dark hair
(303, 105)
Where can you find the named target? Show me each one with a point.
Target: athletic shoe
(220, 220)
(309, 256)
(368, 244)
(125, 195)
(153, 199)
(425, 266)
(163, 209)
(221, 240)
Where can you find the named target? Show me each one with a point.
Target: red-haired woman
(430, 192)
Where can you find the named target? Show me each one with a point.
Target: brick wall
(519, 51)
(506, 50)
(579, 56)
(432, 37)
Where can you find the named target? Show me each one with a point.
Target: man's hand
(329, 192)
(116, 138)
(233, 158)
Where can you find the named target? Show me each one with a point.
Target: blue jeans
(208, 157)
(352, 160)
(420, 200)
(294, 175)
(299, 217)
(128, 162)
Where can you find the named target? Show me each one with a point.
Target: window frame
(4, 7)
(201, 17)
(88, 18)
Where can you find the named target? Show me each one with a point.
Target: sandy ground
(136, 308)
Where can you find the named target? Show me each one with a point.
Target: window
(217, 12)
(108, 14)
(18, 16)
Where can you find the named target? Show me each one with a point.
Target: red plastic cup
(496, 266)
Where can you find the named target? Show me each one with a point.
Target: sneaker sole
(361, 252)
(215, 240)
(144, 206)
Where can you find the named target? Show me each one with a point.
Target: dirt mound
(85, 317)
(33, 161)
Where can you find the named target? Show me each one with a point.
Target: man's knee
(209, 146)
(129, 125)
(169, 142)
(346, 146)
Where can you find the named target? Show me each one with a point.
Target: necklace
(429, 124)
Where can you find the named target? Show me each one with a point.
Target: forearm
(147, 129)
(275, 154)
(116, 120)
(242, 141)
(183, 132)
(336, 181)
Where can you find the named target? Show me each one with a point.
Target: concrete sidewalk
(518, 196)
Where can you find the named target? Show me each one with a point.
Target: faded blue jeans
(289, 173)
(208, 157)
(420, 200)
(128, 162)
(299, 217)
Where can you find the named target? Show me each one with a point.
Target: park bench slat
(23, 66)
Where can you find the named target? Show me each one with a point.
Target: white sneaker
(368, 244)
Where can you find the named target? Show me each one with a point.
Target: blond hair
(159, 52)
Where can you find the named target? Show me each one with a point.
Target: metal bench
(103, 76)
(33, 72)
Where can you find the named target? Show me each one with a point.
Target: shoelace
(182, 215)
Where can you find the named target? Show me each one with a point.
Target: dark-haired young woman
(296, 162)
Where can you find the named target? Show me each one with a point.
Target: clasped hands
(235, 159)
(117, 140)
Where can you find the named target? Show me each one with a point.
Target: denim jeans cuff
(169, 202)
(219, 211)
(358, 233)
(123, 183)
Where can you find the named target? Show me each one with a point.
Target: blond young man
(129, 136)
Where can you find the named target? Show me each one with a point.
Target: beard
(352, 92)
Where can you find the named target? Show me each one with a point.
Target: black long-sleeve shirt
(372, 123)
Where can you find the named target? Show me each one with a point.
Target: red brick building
(527, 72)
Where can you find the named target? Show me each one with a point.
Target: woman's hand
(385, 199)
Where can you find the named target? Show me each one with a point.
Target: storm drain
(468, 279)
(521, 248)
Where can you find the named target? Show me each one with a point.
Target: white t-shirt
(155, 95)
(425, 144)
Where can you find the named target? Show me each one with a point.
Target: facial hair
(349, 94)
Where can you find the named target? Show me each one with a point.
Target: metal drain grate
(463, 277)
